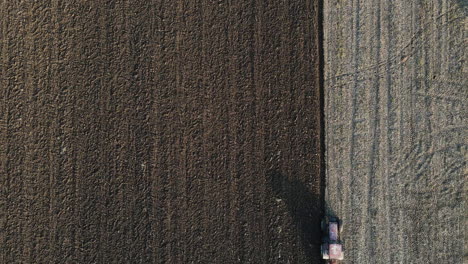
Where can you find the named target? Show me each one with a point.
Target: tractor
(332, 248)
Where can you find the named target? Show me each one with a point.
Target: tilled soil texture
(159, 132)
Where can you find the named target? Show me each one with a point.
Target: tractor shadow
(305, 208)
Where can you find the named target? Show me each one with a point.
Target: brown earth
(159, 132)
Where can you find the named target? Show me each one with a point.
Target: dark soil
(159, 132)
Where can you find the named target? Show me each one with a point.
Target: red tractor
(332, 249)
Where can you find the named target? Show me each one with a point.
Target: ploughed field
(160, 132)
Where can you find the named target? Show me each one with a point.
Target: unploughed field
(396, 128)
